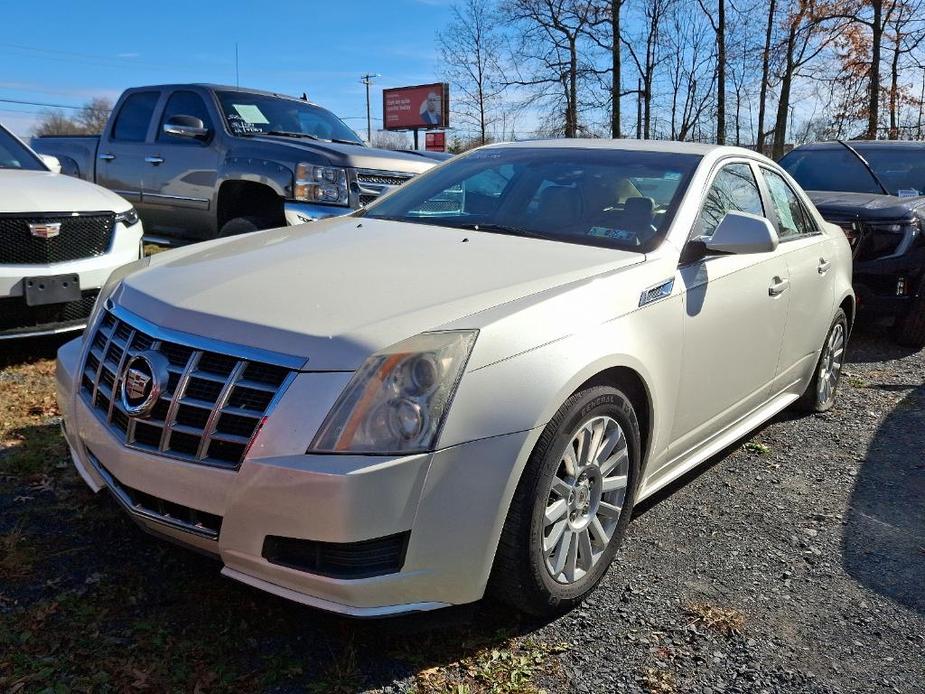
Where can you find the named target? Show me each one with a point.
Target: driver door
(735, 314)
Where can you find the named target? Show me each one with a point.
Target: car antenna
(304, 96)
(866, 165)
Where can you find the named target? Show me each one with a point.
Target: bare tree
(652, 56)
(93, 116)
(719, 29)
(57, 123)
(471, 49)
(549, 58)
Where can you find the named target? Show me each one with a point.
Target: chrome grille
(210, 409)
(372, 183)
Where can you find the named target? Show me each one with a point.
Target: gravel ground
(793, 562)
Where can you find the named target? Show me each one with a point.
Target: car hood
(355, 156)
(864, 206)
(43, 191)
(334, 292)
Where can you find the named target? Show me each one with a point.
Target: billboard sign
(421, 106)
(435, 142)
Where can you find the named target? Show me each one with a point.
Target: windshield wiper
(500, 229)
(287, 133)
(867, 166)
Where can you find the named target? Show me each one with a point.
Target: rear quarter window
(134, 117)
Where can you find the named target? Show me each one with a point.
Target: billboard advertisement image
(421, 106)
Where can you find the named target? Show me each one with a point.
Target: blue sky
(66, 52)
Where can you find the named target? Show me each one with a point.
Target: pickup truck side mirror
(186, 126)
(741, 232)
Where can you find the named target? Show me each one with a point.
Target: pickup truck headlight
(324, 184)
(397, 401)
(128, 218)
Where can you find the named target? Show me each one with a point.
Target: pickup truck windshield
(616, 198)
(252, 114)
(13, 155)
(838, 169)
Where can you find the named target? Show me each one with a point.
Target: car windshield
(901, 170)
(14, 155)
(603, 197)
(253, 114)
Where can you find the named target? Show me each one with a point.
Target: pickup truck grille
(80, 236)
(372, 183)
(210, 410)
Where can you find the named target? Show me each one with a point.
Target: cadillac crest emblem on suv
(45, 230)
(143, 379)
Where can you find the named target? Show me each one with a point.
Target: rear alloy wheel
(820, 395)
(572, 505)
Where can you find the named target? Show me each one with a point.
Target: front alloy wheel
(585, 499)
(572, 504)
(820, 394)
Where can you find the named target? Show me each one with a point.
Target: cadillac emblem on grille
(143, 379)
(45, 230)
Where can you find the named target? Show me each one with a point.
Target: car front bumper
(450, 504)
(886, 287)
(18, 320)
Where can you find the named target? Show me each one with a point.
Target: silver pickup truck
(199, 161)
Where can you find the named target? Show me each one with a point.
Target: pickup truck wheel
(571, 506)
(911, 330)
(244, 225)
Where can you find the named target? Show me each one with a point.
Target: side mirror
(186, 126)
(51, 162)
(741, 232)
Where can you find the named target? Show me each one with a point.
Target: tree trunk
(721, 74)
(616, 87)
(783, 103)
(571, 117)
(873, 103)
(894, 90)
(765, 72)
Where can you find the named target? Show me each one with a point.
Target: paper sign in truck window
(250, 113)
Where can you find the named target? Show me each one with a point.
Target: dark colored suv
(875, 190)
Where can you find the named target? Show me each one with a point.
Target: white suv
(60, 238)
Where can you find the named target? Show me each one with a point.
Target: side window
(184, 103)
(733, 190)
(793, 217)
(134, 117)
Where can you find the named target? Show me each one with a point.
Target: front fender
(255, 170)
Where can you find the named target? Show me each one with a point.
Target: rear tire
(545, 567)
(820, 394)
(911, 330)
(243, 225)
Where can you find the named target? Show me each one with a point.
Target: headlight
(128, 218)
(115, 277)
(397, 401)
(324, 184)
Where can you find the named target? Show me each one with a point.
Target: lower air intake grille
(209, 410)
(346, 560)
(18, 317)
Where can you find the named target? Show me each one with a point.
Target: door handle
(107, 157)
(778, 286)
(155, 160)
(824, 266)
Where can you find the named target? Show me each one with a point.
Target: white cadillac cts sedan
(468, 385)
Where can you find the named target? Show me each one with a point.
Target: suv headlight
(128, 218)
(397, 401)
(324, 184)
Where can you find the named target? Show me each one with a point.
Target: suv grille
(208, 412)
(17, 317)
(80, 236)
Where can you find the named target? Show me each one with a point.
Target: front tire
(243, 225)
(572, 504)
(820, 394)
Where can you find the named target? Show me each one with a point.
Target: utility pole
(367, 79)
(237, 77)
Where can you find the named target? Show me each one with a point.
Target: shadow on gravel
(13, 352)
(884, 538)
(874, 343)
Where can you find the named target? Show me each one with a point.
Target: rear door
(182, 172)
(121, 155)
(809, 254)
(735, 315)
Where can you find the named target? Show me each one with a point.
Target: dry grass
(29, 439)
(725, 620)
(659, 681)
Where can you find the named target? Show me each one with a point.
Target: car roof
(863, 144)
(220, 88)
